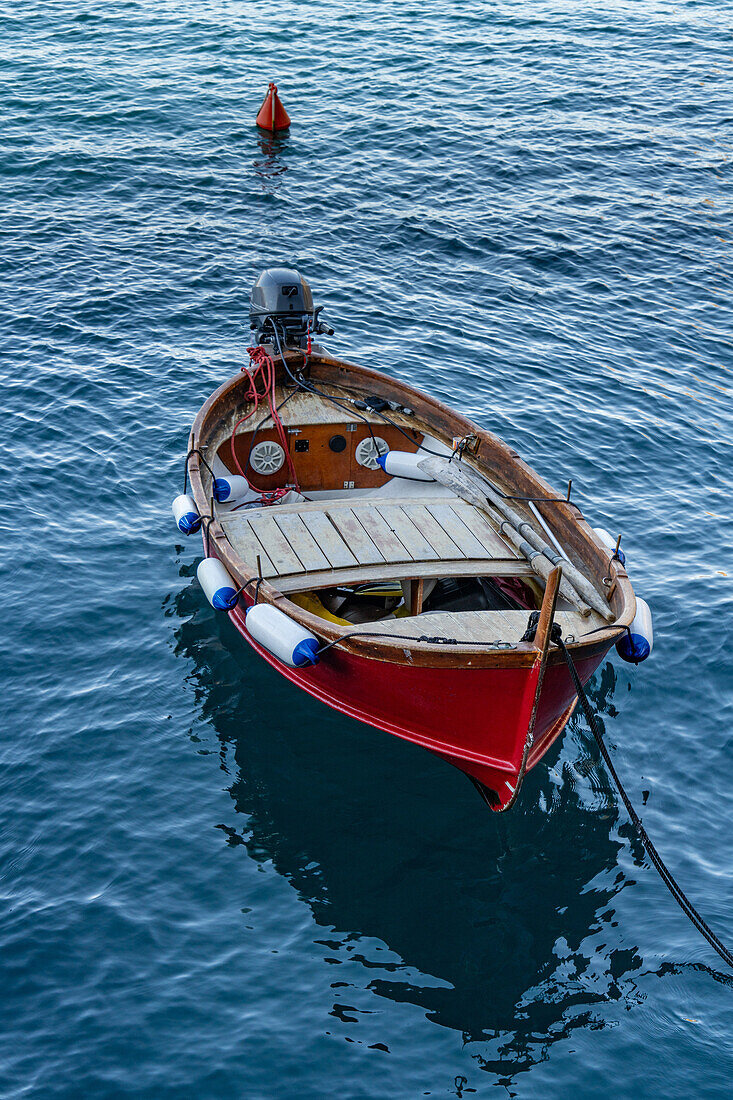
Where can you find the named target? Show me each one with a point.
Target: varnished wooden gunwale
(505, 467)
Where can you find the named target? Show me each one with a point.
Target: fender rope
(674, 888)
(195, 451)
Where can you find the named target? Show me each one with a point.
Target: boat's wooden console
(324, 444)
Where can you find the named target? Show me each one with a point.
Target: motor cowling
(282, 302)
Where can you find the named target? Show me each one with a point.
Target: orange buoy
(273, 115)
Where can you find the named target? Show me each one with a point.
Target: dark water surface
(212, 886)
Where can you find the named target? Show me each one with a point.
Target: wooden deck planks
(384, 537)
(433, 532)
(476, 626)
(484, 532)
(365, 533)
(408, 534)
(464, 539)
(247, 545)
(356, 538)
(329, 540)
(278, 549)
(302, 541)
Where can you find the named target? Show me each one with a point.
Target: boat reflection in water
(489, 923)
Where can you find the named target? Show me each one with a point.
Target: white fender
(186, 514)
(609, 541)
(403, 464)
(282, 636)
(219, 588)
(233, 489)
(636, 645)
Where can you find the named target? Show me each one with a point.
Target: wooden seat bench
(477, 626)
(365, 538)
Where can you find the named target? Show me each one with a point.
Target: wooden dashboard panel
(318, 462)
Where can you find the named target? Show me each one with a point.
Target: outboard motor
(282, 303)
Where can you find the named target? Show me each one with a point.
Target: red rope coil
(262, 388)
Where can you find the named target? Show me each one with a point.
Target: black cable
(437, 454)
(194, 451)
(440, 454)
(427, 638)
(311, 388)
(246, 584)
(674, 888)
(365, 634)
(405, 433)
(388, 420)
(606, 626)
(206, 522)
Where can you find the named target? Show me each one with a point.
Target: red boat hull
(475, 718)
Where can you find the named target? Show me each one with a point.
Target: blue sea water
(211, 885)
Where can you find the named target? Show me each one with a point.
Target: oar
(448, 474)
(470, 485)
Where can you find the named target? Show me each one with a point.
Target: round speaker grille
(368, 451)
(267, 457)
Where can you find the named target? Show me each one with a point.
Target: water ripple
(524, 210)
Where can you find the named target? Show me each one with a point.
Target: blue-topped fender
(186, 514)
(637, 643)
(219, 587)
(281, 636)
(231, 488)
(404, 464)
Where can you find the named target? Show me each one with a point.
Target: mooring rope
(674, 888)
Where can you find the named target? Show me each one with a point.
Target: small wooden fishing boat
(385, 554)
